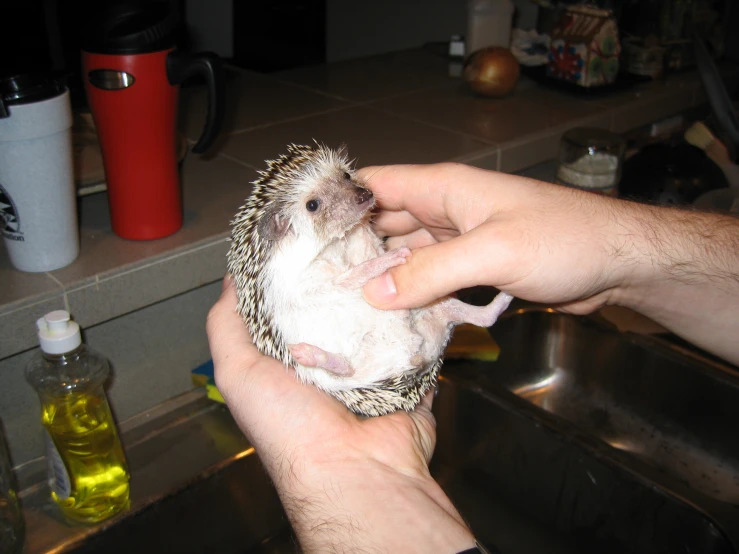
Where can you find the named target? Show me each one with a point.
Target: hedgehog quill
(301, 250)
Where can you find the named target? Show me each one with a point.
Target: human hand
(468, 226)
(571, 249)
(345, 482)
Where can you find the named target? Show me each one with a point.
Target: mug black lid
(132, 27)
(30, 87)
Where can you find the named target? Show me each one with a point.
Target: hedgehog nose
(363, 195)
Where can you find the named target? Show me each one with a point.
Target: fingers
(436, 271)
(391, 224)
(426, 425)
(227, 334)
(398, 186)
(428, 399)
(239, 366)
(417, 239)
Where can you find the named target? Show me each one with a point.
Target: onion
(492, 71)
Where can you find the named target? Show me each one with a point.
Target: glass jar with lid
(590, 159)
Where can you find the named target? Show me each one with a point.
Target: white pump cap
(57, 333)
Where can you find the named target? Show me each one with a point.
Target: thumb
(433, 272)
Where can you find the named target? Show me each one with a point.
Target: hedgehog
(301, 249)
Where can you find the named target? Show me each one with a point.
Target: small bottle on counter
(88, 474)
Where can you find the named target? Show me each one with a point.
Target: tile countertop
(394, 108)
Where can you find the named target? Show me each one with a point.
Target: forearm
(370, 507)
(682, 271)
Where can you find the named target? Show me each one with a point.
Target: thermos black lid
(132, 27)
(28, 88)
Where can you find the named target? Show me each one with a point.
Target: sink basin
(650, 414)
(578, 439)
(676, 412)
(525, 487)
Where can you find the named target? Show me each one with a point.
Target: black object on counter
(28, 88)
(669, 174)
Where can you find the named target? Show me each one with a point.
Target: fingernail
(380, 290)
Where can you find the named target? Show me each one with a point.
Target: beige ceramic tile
(539, 147)
(20, 410)
(494, 120)
(252, 99)
(111, 296)
(651, 108)
(372, 137)
(151, 352)
(19, 284)
(24, 297)
(18, 326)
(213, 189)
(373, 78)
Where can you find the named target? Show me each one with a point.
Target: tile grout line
(99, 281)
(64, 290)
(287, 120)
(306, 88)
(432, 125)
(231, 158)
(27, 306)
(350, 104)
(360, 102)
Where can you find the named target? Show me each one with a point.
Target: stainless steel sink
(525, 487)
(579, 439)
(675, 411)
(658, 419)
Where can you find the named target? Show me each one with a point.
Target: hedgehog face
(334, 206)
(311, 193)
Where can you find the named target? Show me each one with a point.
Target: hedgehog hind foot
(457, 312)
(312, 356)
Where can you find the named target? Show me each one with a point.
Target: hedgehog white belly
(377, 344)
(308, 307)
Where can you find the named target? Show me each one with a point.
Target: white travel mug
(38, 203)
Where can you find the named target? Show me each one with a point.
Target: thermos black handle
(182, 66)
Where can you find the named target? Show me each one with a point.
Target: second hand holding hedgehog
(301, 251)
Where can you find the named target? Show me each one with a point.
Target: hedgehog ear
(273, 226)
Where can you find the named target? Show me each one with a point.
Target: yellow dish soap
(88, 474)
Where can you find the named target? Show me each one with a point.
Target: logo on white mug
(9, 220)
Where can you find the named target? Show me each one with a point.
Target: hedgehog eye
(312, 205)
(347, 176)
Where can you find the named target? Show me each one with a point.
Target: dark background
(269, 36)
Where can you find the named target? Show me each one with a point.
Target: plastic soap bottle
(88, 474)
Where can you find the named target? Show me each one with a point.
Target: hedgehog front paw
(311, 356)
(359, 275)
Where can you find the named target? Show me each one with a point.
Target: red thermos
(132, 73)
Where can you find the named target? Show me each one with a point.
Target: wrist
(659, 246)
(364, 504)
(642, 244)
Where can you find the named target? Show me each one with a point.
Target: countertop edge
(116, 293)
